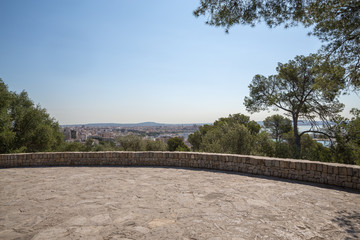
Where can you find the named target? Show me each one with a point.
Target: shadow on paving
(349, 222)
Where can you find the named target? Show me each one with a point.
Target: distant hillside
(155, 124)
(301, 123)
(143, 124)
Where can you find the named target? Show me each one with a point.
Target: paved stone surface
(162, 203)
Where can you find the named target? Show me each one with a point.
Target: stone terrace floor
(169, 203)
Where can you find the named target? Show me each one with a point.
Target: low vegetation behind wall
(310, 171)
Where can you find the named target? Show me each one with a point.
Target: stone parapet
(303, 170)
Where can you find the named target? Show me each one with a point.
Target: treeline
(305, 88)
(127, 143)
(26, 127)
(237, 134)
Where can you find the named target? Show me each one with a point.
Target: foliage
(7, 136)
(242, 119)
(234, 134)
(278, 125)
(106, 146)
(284, 150)
(298, 90)
(155, 145)
(138, 143)
(334, 22)
(195, 138)
(89, 144)
(74, 147)
(176, 144)
(131, 143)
(312, 150)
(347, 135)
(263, 145)
(125, 143)
(25, 127)
(228, 138)
(237, 134)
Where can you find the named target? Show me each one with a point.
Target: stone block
(342, 171)
(313, 166)
(303, 166)
(298, 166)
(319, 167)
(267, 163)
(308, 166)
(342, 178)
(355, 180)
(325, 168)
(282, 164)
(349, 171)
(292, 165)
(253, 161)
(242, 159)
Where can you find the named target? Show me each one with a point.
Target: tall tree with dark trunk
(298, 90)
(335, 22)
(278, 125)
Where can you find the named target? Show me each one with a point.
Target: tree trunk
(297, 137)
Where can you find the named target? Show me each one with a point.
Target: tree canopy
(335, 22)
(234, 134)
(138, 143)
(298, 90)
(25, 127)
(278, 125)
(224, 124)
(176, 144)
(347, 135)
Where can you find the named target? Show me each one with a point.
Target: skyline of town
(97, 134)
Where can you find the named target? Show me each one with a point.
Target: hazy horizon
(127, 61)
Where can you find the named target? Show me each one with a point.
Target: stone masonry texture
(310, 171)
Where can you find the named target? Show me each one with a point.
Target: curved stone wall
(310, 171)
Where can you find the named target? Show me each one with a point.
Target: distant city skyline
(92, 61)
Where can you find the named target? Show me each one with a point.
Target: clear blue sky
(124, 61)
